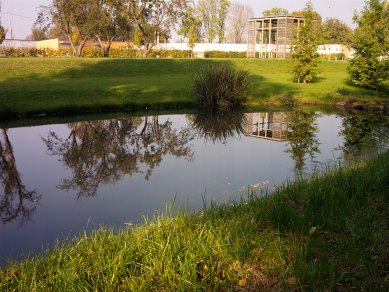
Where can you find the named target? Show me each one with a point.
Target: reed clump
(221, 87)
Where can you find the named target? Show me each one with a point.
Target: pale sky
(23, 12)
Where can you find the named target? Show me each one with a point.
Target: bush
(221, 87)
(169, 54)
(222, 54)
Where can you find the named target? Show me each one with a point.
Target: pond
(60, 179)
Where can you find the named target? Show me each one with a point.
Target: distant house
(53, 44)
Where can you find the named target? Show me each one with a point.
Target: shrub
(222, 54)
(221, 86)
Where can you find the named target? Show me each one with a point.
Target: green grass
(30, 86)
(328, 233)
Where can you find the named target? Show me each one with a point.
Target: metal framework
(271, 37)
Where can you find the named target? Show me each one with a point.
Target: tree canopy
(336, 32)
(37, 34)
(275, 11)
(371, 45)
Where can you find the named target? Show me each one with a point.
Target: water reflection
(16, 203)
(302, 138)
(364, 135)
(298, 128)
(267, 125)
(216, 126)
(102, 152)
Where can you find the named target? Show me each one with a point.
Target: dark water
(60, 179)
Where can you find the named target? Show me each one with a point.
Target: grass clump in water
(221, 87)
(328, 233)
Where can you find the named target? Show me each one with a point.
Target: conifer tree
(304, 52)
(371, 45)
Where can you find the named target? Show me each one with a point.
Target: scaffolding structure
(271, 37)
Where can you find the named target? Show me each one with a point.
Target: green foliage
(333, 57)
(170, 53)
(212, 15)
(37, 34)
(305, 44)
(223, 54)
(370, 43)
(275, 11)
(336, 32)
(3, 32)
(221, 87)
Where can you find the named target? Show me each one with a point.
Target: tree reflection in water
(216, 126)
(302, 138)
(16, 202)
(102, 152)
(364, 135)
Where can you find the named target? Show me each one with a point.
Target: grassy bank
(328, 233)
(30, 86)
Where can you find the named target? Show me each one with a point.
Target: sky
(24, 12)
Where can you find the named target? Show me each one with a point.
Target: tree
(111, 24)
(190, 27)
(154, 18)
(371, 43)
(74, 18)
(213, 14)
(37, 34)
(336, 32)
(316, 16)
(3, 32)
(275, 11)
(305, 44)
(238, 23)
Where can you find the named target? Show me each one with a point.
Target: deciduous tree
(238, 23)
(37, 34)
(190, 27)
(213, 14)
(305, 44)
(111, 23)
(74, 18)
(336, 32)
(275, 11)
(371, 45)
(154, 18)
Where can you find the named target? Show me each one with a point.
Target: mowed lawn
(51, 85)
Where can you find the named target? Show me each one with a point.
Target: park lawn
(30, 86)
(326, 233)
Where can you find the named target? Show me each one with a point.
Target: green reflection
(302, 138)
(102, 152)
(365, 134)
(217, 126)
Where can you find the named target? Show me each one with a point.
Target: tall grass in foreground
(330, 232)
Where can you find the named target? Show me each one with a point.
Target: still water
(60, 179)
